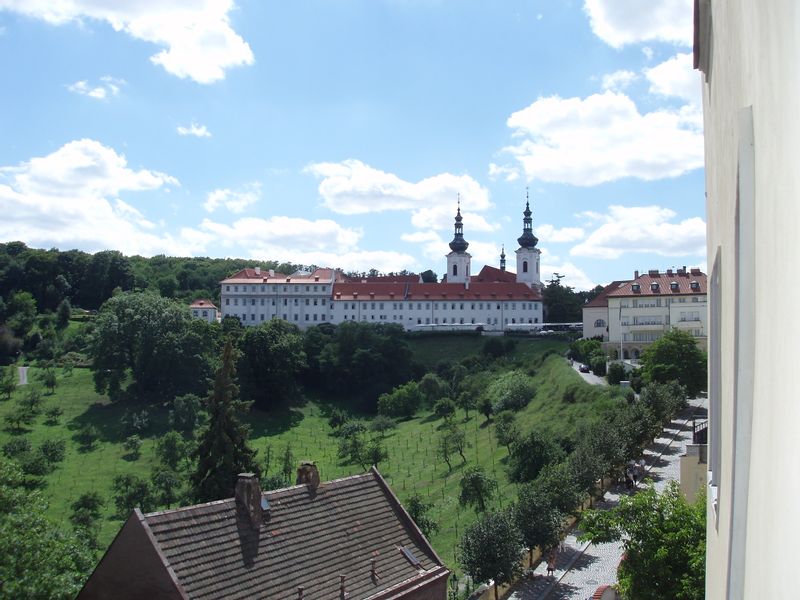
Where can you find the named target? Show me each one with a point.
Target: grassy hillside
(412, 464)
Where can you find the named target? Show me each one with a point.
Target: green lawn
(412, 464)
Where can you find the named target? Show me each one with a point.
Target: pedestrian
(551, 562)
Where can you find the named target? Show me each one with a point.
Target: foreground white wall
(752, 135)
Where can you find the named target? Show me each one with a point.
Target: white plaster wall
(756, 52)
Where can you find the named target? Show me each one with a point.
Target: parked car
(584, 368)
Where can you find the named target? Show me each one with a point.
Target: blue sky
(340, 132)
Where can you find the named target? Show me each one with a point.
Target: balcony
(650, 326)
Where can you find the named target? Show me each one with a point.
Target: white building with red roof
(495, 299)
(203, 308)
(641, 310)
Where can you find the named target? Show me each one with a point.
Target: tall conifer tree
(223, 452)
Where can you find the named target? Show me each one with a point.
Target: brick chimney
(307, 473)
(248, 499)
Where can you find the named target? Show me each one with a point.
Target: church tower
(503, 258)
(527, 253)
(458, 259)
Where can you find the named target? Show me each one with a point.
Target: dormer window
(673, 286)
(694, 285)
(654, 286)
(635, 287)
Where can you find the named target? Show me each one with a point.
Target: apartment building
(630, 315)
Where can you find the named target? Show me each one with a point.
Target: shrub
(511, 391)
(402, 401)
(616, 373)
(381, 424)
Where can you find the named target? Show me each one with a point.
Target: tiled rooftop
(309, 539)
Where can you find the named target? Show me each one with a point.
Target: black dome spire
(527, 239)
(459, 244)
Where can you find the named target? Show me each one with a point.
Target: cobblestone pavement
(582, 567)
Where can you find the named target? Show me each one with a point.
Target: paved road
(582, 567)
(589, 377)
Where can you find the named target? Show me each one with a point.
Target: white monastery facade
(630, 315)
(494, 299)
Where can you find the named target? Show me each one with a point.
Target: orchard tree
(131, 491)
(505, 429)
(477, 488)
(676, 357)
(48, 378)
(444, 408)
(490, 549)
(8, 382)
(664, 539)
(418, 510)
(222, 451)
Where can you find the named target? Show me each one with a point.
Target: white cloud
(648, 52)
(618, 80)
(196, 35)
(621, 22)
(70, 199)
(235, 201)
(194, 129)
(322, 242)
(352, 187)
(603, 138)
(108, 87)
(506, 172)
(548, 233)
(574, 276)
(676, 77)
(643, 229)
(432, 244)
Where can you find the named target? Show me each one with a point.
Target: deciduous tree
(477, 488)
(676, 357)
(37, 558)
(490, 549)
(664, 539)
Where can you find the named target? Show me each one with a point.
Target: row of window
(641, 303)
(254, 288)
(262, 317)
(444, 305)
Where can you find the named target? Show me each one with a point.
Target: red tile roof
(476, 291)
(202, 303)
(384, 279)
(250, 276)
(601, 300)
(308, 538)
(369, 291)
(493, 274)
(664, 281)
